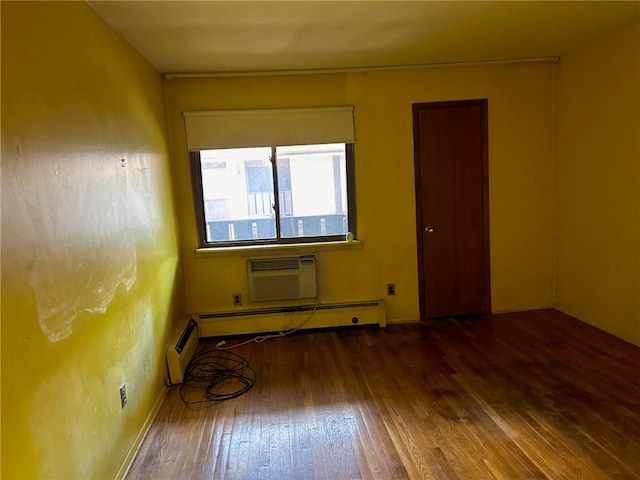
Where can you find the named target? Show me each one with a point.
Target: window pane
(237, 190)
(312, 184)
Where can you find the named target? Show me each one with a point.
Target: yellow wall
(520, 177)
(598, 178)
(90, 266)
(92, 283)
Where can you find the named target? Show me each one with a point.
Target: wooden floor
(514, 396)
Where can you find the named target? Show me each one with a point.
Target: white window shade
(255, 128)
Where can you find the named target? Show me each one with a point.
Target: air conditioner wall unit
(282, 278)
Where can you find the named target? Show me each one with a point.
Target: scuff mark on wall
(130, 365)
(81, 395)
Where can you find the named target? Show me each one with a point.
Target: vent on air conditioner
(281, 278)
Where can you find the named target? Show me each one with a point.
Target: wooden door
(450, 147)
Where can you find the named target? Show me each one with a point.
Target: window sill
(265, 250)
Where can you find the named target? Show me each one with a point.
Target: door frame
(416, 108)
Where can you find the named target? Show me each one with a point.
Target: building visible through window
(275, 194)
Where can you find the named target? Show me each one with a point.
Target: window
(272, 176)
(275, 194)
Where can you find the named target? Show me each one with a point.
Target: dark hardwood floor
(513, 396)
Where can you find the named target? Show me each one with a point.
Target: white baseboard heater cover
(281, 278)
(285, 318)
(181, 351)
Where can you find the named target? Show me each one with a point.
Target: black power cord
(214, 376)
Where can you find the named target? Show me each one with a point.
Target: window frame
(199, 208)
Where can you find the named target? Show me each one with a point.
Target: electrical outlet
(123, 395)
(237, 299)
(391, 289)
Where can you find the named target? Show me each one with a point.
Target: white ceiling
(251, 36)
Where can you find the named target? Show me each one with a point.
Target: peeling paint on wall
(86, 289)
(90, 230)
(91, 273)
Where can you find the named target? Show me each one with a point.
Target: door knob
(429, 229)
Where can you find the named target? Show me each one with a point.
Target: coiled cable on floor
(214, 376)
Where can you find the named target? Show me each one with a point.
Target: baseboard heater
(277, 319)
(181, 351)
